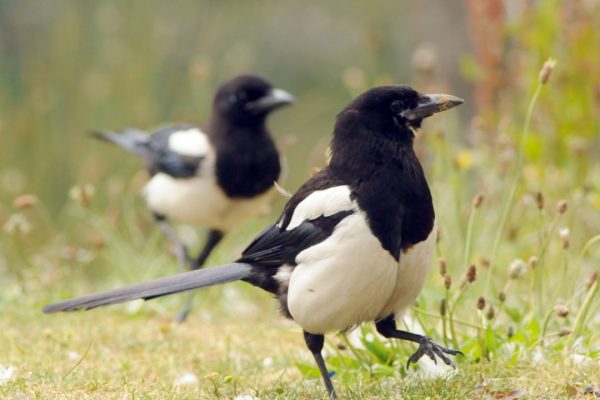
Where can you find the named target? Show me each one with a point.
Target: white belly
(413, 268)
(200, 201)
(349, 278)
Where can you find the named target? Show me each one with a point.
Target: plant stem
(469, 237)
(514, 186)
(579, 321)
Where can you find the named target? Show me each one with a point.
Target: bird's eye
(396, 106)
(237, 97)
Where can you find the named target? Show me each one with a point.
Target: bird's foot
(431, 349)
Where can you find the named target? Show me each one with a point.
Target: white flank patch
(342, 281)
(191, 142)
(322, 203)
(283, 274)
(200, 200)
(349, 278)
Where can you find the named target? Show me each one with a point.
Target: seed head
(481, 303)
(485, 261)
(533, 261)
(25, 201)
(477, 200)
(442, 266)
(443, 307)
(517, 268)
(447, 282)
(564, 332)
(539, 200)
(561, 206)
(472, 273)
(490, 313)
(561, 310)
(502, 297)
(546, 70)
(591, 280)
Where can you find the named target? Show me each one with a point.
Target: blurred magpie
(214, 176)
(354, 244)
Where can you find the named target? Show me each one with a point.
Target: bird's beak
(430, 104)
(274, 99)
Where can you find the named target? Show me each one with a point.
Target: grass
(141, 354)
(515, 188)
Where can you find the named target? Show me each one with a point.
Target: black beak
(274, 99)
(430, 104)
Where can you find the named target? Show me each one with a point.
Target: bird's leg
(181, 252)
(214, 237)
(387, 327)
(315, 345)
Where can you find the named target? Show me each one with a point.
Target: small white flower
(246, 397)
(133, 307)
(6, 373)
(581, 360)
(564, 233)
(186, 379)
(17, 224)
(267, 362)
(73, 356)
(517, 268)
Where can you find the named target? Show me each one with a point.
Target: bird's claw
(431, 349)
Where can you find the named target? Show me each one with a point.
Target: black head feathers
(248, 99)
(394, 110)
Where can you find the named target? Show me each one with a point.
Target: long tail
(156, 288)
(132, 140)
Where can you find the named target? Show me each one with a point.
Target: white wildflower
(186, 379)
(517, 268)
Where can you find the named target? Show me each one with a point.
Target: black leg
(315, 345)
(214, 237)
(180, 249)
(387, 327)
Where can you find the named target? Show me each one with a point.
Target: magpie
(213, 176)
(355, 242)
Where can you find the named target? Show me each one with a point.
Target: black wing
(276, 246)
(161, 158)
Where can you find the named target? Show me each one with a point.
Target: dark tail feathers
(132, 140)
(156, 288)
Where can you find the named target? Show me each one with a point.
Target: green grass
(233, 350)
(528, 149)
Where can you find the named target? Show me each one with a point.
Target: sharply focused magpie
(214, 176)
(354, 244)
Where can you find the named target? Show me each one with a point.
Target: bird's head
(248, 99)
(395, 110)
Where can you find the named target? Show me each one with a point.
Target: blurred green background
(71, 215)
(71, 66)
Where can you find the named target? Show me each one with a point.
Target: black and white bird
(214, 176)
(353, 245)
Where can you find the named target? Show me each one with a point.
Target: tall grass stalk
(514, 185)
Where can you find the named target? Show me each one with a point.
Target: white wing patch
(322, 203)
(192, 142)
